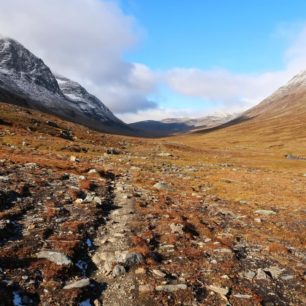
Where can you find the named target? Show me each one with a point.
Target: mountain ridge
(25, 80)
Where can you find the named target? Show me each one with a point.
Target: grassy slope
(240, 163)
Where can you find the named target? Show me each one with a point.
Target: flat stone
(242, 296)
(73, 158)
(265, 212)
(171, 288)
(140, 270)
(248, 275)
(56, 257)
(97, 200)
(158, 273)
(161, 186)
(261, 275)
(274, 271)
(164, 154)
(177, 228)
(145, 288)
(219, 290)
(223, 250)
(4, 178)
(287, 277)
(78, 284)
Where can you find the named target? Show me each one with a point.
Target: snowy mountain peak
(87, 102)
(19, 63)
(298, 80)
(27, 81)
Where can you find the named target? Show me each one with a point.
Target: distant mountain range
(174, 126)
(25, 80)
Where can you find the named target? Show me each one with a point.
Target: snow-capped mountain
(287, 99)
(206, 121)
(172, 126)
(27, 81)
(84, 101)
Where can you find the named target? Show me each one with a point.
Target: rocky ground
(93, 219)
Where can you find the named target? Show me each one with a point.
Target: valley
(209, 218)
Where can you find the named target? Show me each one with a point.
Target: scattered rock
(56, 257)
(171, 288)
(242, 296)
(140, 270)
(287, 277)
(265, 212)
(66, 134)
(74, 159)
(118, 271)
(133, 259)
(113, 151)
(261, 275)
(161, 186)
(158, 273)
(274, 271)
(219, 290)
(53, 124)
(164, 154)
(78, 284)
(145, 288)
(4, 178)
(177, 228)
(249, 275)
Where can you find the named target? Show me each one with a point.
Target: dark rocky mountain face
(16, 61)
(25, 80)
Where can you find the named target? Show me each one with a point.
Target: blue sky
(240, 35)
(154, 59)
(248, 37)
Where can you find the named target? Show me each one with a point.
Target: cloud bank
(86, 40)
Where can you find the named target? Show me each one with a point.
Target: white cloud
(224, 87)
(238, 91)
(83, 40)
(161, 113)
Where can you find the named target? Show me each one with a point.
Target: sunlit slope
(277, 122)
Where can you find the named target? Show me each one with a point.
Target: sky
(150, 60)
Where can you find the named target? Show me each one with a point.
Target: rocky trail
(104, 220)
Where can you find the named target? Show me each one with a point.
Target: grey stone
(56, 257)
(145, 288)
(261, 275)
(177, 228)
(161, 186)
(287, 277)
(164, 154)
(78, 284)
(158, 273)
(171, 288)
(4, 178)
(242, 296)
(133, 259)
(265, 212)
(118, 271)
(219, 290)
(274, 271)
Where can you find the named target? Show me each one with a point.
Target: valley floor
(108, 220)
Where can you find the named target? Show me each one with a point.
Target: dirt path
(112, 257)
